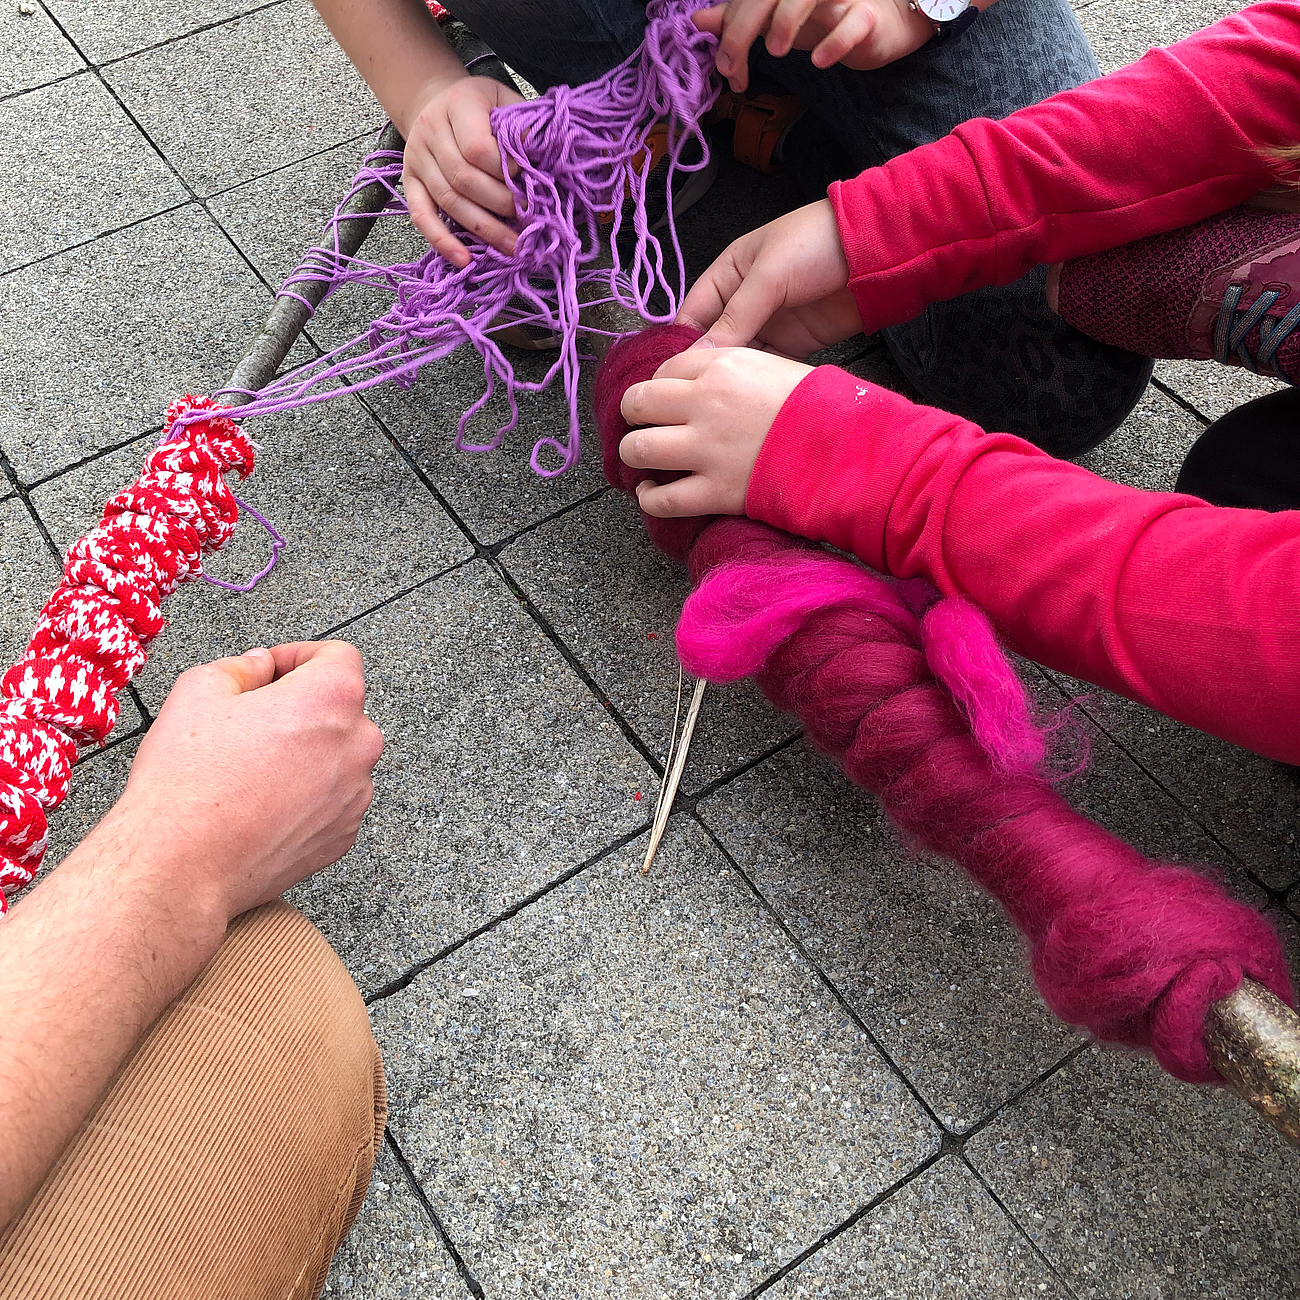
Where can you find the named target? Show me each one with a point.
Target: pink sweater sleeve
(1189, 608)
(1179, 135)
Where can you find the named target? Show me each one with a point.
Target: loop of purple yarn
(578, 152)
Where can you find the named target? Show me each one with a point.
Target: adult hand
(452, 164)
(861, 34)
(255, 774)
(708, 412)
(784, 285)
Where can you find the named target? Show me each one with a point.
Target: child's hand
(861, 34)
(709, 410)
(453, 165)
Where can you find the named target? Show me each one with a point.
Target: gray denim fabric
(997, 356)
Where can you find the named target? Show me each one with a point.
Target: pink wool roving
(902, 688)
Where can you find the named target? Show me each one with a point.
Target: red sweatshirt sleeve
(1189, 608)
(1175, 137)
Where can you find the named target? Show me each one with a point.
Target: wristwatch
(950, 17)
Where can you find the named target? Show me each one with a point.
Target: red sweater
(1189, 608)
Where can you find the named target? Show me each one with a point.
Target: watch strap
(955, 26)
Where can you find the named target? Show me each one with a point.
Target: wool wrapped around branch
(911, 694)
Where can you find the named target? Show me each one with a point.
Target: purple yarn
(577, 152)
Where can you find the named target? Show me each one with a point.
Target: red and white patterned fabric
(91, 637)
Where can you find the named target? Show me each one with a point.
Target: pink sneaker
(1227, 289)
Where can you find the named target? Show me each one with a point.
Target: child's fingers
(709, 295)
(742, 24)
(787, 22)
(477, 158)
(756, 299)
(672, 448)
(463, 210)
(657, 401)
(855, 27)
(424, 217)
(683, 498)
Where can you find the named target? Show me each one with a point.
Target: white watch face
(942, 11)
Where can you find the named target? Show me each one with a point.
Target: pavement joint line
(288, 166)
(471, 1282)
(691, 800)
(23, 493)
(186, 35)
(815, 967)
(1179, 400)
(1014, 1220)
(45, 85)
(855, 1218)
(353, 619)
(95, 238)
(90, 459)
(526, 603)
(1276, 892)
(414, 971)
(495, 548)
(90, 754)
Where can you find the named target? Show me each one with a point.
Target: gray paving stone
(28, 576)
(32, 51)
(928, 961)
(1249, 804)
(1147, 450)
(615, 601)
(283, 87)
(393, 1251)
(1212, 389)
(500, 773)
(942, 1237)
(1121, 33)
(109, 30)
(635, 1088)
(97, 784)
(360, 528)
(1138, 1187)
(115, 331)
(84, 167)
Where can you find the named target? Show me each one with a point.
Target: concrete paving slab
(1121, 33)
(284, 88)
(1138, 1187)
(28, 575)
(393, 1251)
(941, 1237)
(109, 30)
(33, 51)
(98, 341)
(84, 167)
(615, 600)
(1248, 804)
(500, 774)
(635, 1088)
(1212, 389)
(1147, 450)
(96, 785)
(928, 962)
(359, 524)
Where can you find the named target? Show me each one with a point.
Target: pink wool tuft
(905, 692)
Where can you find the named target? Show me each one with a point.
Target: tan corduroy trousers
(233, 1151)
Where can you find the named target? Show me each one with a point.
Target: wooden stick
(669, 793)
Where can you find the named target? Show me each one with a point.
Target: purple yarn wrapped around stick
(579, 152)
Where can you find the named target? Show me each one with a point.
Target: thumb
(750, 308)
(239, 674)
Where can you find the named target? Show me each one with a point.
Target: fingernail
(724, 64)
(705, 342)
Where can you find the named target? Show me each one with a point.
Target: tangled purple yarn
(580, 151)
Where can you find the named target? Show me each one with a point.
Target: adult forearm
(397, 48)
(88, 961)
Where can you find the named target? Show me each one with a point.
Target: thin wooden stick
(669, 793)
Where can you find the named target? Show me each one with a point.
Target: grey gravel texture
(1139, 1188)
(500, 774)
(636, 1088)
(393, 1251)
(616, 600)
(85, 169)
(274, 110)
(607, 1084)
(98, 341)
(33, 51)
(942, 1236)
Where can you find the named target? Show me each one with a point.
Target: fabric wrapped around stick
(909, 692)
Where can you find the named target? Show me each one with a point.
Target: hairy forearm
(397, 48)
(88, 961)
